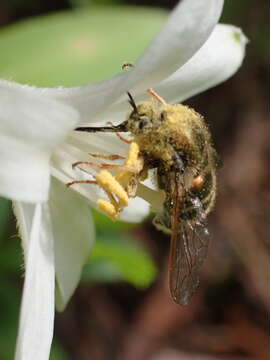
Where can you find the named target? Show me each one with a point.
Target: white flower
(189, 55)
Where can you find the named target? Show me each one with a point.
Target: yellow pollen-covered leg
(108, 208)
(123, 185)
(107, 181)
(129, 179)
(133, 155)
(133, 161)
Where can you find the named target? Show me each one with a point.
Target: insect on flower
(175, 141)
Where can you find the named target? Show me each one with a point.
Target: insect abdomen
(199, 200)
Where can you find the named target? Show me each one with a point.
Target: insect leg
(108, 208)
(80, 182)
(104, 166)
(156, 96)
(120, 136)
(108, 182)
(107, 157)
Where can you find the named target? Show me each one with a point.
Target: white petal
(189, 26)
(187, 29)
(136, 211)
(88, 99)
(74, 233)
(37, 309)
(31, 126)
(61, 169)
(104, 143)
(24, 214)
(218, 59)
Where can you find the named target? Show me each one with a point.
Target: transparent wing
(189, 244)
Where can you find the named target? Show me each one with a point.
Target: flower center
(119, 187)
(122, 186)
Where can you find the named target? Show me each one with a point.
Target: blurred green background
(49, 43)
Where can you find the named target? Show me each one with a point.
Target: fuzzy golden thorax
(162, 130)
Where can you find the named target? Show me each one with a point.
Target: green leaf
(101, 271)
(9, 303)
(11, 259)
(5, 215)
(103, 222)
(76, 47)
(58, 352)
(116, 257)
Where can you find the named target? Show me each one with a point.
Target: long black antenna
(119, 128)
(132, 102)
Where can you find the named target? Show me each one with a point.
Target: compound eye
(143, 123)
(162, 116)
